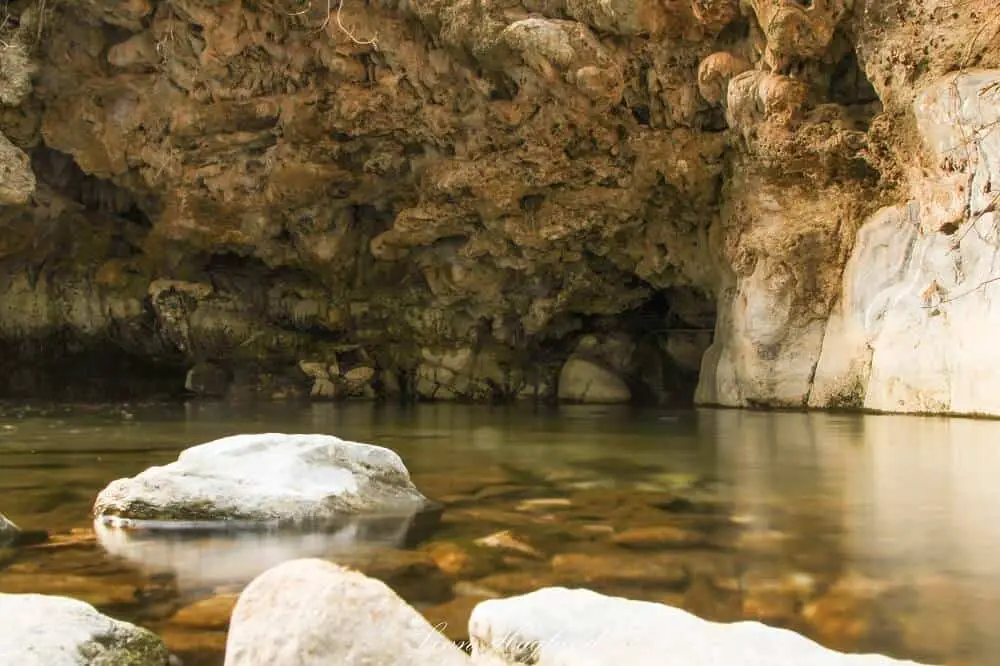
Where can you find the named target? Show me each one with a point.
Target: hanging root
(335, 15)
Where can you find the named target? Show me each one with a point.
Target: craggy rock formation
(450, 200)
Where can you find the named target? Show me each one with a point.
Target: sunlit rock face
(439, 201)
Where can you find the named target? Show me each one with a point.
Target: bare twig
(990, 208)
(962, 295)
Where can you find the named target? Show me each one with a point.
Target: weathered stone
(17, 181)
(584, 381)
(917, 268)
(271, 477)
(285, 616)
(576, 626)
(56, 631)
(505, 179)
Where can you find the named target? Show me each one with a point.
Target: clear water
(867, 533)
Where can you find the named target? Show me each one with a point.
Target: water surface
(867, 533)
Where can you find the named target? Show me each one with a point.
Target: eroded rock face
(555, 626)
(913, 319)
(265, 478)
(57, 631)
(459, 192)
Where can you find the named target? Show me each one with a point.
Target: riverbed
(864, 532)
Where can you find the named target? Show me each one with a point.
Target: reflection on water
(892, 519)
(202, 559)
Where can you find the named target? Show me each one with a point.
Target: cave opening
(671, 330)
(851, 88)
(62, 366)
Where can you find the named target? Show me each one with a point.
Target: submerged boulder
(558, 626)
(265, 478)
(40, 630)
(313, 613)
(9, 532)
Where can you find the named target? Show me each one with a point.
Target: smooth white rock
(315, 613)
(576, 627)
(914, 328)
(40, 630)
(268, 477)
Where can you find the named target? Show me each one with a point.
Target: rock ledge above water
(267, 478)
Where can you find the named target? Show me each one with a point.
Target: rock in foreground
(39, 630)
(558, 627)
(268, 477)
(315, 613)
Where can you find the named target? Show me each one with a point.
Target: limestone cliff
(496, 199)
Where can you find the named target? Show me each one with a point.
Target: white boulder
(39, 630)
(576, 627)
(314, 613)
(265, 478)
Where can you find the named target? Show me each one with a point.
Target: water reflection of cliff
(910, 503)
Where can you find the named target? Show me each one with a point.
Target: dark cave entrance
(672, 330)
(58, 361)
(63, 367)
(670, 333)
